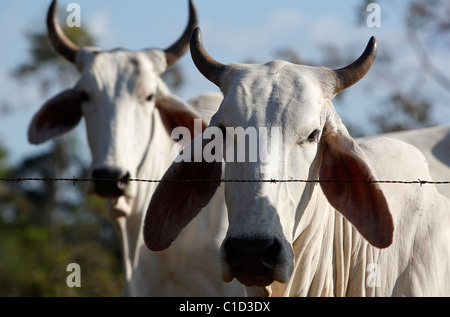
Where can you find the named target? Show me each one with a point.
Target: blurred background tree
(407, 106)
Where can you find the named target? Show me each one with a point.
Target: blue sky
(233, 31)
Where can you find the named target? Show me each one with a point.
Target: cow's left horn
(208, 66)
(177, 50)
(59, 40)
(350, 75)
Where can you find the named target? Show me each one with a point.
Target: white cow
(342, 233)
(130, 114)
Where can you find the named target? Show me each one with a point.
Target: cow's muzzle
(253, 261)
(110, 182)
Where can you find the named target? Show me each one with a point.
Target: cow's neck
(156, 161)
(324, 251)
(153, 166)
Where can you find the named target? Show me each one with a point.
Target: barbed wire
(74, 180)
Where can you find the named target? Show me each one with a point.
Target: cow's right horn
(177, 50)
(351, 74)
(59, 40)
(208, 66)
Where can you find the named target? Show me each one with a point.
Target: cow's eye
(314, 136)
(150, 97)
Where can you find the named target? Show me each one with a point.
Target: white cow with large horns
(130, 114)
(341, 232)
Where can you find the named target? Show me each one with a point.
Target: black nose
(110, 182)
(252, 261)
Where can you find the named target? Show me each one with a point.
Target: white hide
(434, 143)
(333, 259)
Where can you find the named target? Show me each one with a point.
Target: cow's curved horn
(59, 40)
(347, 76)
(208, 66)
(177, 50)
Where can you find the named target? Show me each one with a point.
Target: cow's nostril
(271, 256)
(252, 261)
(231, 253)
(123, 180)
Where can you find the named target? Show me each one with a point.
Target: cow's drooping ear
(347, 181)
(177, 113)
(57, 116)
(184, 190)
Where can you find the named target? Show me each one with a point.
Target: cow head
(117, 94)
(264, 218)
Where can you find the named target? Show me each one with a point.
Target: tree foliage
(408, 104)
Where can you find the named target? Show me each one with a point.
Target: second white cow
(130, 114)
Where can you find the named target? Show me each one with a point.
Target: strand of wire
(75, 180)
